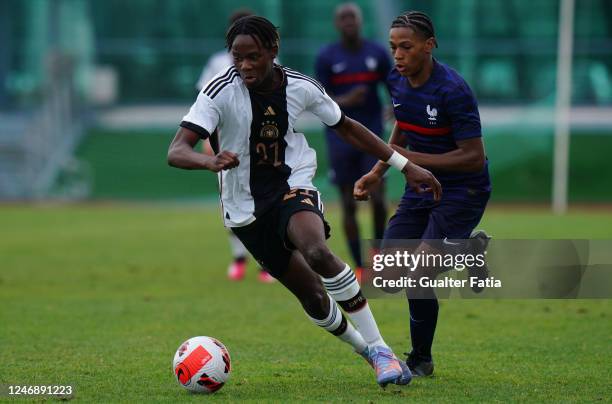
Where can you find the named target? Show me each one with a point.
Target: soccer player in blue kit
(437, 118)
(351, 71)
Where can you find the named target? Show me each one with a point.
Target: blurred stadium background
(92, 91)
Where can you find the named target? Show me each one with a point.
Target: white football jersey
(258, 127)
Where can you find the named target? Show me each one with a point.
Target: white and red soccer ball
(202, 364)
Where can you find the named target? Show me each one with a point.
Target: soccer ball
(202, 365)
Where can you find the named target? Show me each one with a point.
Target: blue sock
(423, 320)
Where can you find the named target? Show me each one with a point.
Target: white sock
(345, 290)
(238, 249)
(336, 323)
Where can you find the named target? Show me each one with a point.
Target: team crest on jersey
(432, 112)
(269, 130)
(371, 63)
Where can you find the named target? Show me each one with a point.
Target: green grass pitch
(100, 296)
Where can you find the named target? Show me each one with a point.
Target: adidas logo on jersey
(269, 111)
(307, 201)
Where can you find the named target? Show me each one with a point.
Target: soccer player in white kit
(268, 199)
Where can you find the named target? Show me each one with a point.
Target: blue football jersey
(340, 70)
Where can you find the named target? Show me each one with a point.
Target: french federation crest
(432, 112)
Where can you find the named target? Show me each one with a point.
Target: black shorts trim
(298, 200)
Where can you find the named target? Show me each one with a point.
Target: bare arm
(468, 157)
(182, 155)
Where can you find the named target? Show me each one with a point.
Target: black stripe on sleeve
(298, 75)
(218, 79)
(231, 78)
(308, 79)
(339, 123)
(203, 133)
(221, 83)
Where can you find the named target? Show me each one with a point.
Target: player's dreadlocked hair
(418, 21)
(259, 28)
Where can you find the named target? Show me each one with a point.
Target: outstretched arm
(468, 157)
(182, 155)
(361, 190)
(396, 139)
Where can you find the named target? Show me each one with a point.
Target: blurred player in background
(216, 63)
(437, 118)
(351, 70)
(267, 195)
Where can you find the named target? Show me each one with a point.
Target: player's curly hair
(418, 21)
(259, 28)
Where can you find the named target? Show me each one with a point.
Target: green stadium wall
(127, 165)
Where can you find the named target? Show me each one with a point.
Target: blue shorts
(419, 218)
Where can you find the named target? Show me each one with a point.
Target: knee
(317, 255)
